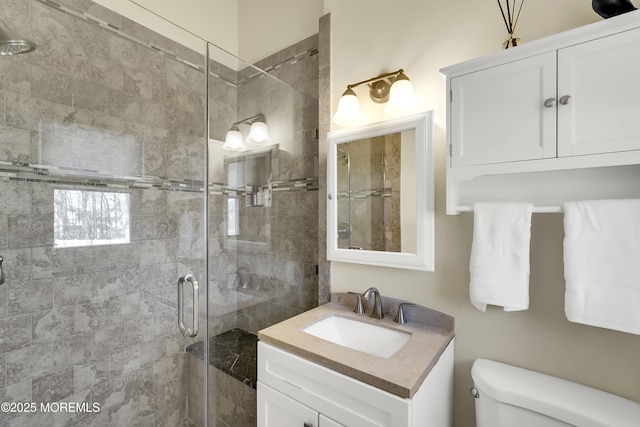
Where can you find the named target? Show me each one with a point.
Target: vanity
(308, 381)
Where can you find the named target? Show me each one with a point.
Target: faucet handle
(359, 308)
(400, 317)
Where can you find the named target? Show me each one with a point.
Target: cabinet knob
(330, 196)
(307, 425)
(549, 102)
(564, 100)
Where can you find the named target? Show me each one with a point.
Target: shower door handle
(189, 333)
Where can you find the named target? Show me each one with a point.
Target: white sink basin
(365, 337)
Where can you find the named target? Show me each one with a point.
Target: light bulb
(234, 141)
(259, 134)
(348, 109)
(402, 97)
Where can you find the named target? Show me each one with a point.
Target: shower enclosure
(114, 186)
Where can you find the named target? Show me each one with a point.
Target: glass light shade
(348, 109)
(259, 134)
(402, 97)
(234, 141)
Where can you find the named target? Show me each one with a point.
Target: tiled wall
(283, 269)
(122, 107)
(96, 324)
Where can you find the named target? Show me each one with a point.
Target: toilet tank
(510, 396)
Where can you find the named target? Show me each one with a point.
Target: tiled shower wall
(283, 267)
(92, 107)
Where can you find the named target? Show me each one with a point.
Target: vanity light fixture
(394, 88)
(258, 134)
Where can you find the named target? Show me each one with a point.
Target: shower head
(10, 45)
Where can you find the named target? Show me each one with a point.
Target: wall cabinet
(514, 111)
(562, 103)
(294, 392)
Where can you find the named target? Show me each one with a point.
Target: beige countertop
(401, 374)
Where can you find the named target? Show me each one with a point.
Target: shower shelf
(51, 174)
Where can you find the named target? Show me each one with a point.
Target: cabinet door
(602, 77)
(499, 114)
(328, 422)
(277, 410)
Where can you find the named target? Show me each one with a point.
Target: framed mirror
(380, 194)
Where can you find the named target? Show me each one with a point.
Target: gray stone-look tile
(29, 296)
(16, 198)
(72, 350)
(3, 231)
(15, 145)
(124, 361)
(51, 325)
(91, 315)
(136, 382)
(125, 413)
(112, 283)
(108, 340)
(20, 392)
(3, 298)
(14, 77)
(90, 373)
(124, 106)
(2, 371)
(70, 290)
(132, 306)
(90, 96)
(109, 393)
(49, 262)
(53, 387)
(29, 231)
(144, 329)
(29, 362)
(15, 333)
(152, 351)
(76, 418)
(50, 86)
(89, 260)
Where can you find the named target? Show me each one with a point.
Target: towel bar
(536, 209)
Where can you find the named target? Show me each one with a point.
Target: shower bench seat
(234, 352)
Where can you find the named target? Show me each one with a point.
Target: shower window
(90, 218)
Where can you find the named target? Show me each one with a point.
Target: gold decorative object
(510, 17)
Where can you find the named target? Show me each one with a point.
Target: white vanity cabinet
(278, 410)
(295, 392)
(525, 110)
(548, 108)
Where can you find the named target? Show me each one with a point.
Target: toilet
(508, 396)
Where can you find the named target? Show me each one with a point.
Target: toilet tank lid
(564, 400)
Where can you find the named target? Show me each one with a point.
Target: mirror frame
(423, 259)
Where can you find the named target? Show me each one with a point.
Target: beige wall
(216, 21)
(266, 27)
(249, 29)
(372, 36)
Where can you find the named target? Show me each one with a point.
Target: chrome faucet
(377, 311)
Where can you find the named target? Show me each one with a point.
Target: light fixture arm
(377, 79)
(250, 120)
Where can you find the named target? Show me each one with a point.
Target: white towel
(602, 263)
(499, 264)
